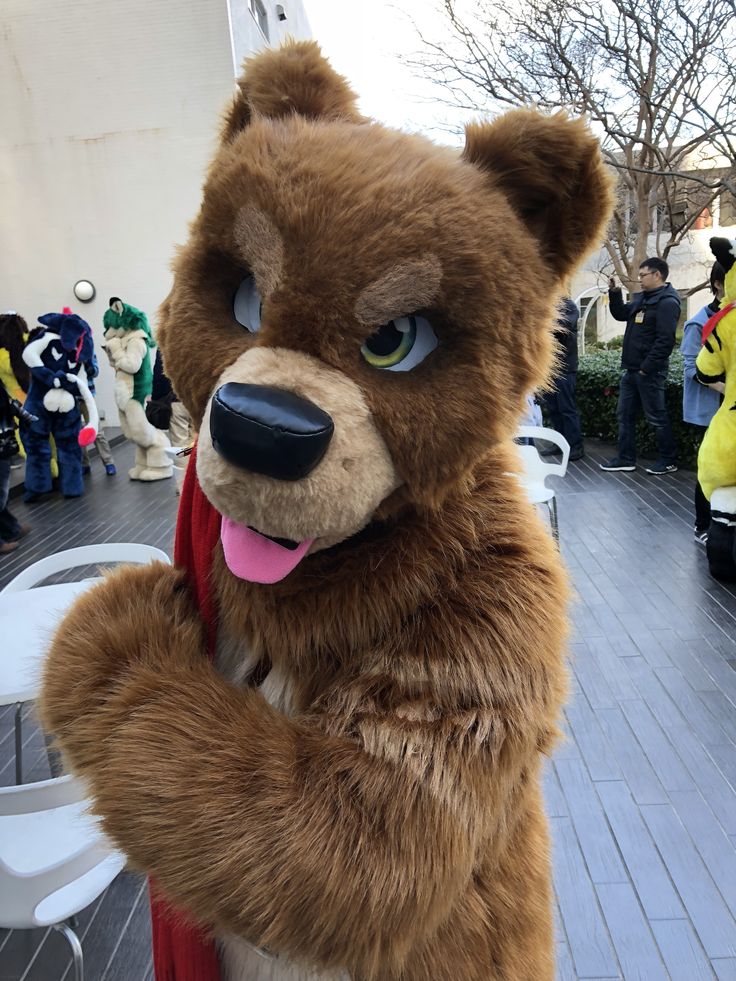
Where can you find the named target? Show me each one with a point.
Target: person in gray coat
(699, 402)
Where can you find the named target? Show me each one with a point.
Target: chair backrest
(537, 467)
(28, 798)
(21, 891)
(73, 558)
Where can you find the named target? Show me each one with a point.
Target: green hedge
(597, 396)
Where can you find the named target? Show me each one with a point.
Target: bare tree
(656, 78)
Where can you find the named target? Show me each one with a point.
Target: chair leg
(19, 742)
(76, 948)
(552, 505)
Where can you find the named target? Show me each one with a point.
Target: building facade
(110, 114)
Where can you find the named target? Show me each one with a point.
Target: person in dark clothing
(560, 404)
(11, 530)
(170, 414)
(651, 321)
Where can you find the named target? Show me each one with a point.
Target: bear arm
(267, 829)
(131, 357)
(260, 825)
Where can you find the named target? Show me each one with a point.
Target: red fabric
(710, 324)
(182, 952)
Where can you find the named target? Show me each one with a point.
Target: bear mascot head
(349, 787)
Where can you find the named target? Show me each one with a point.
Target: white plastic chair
(537, 469)
(26, 621)
(54, 860)
(74, 558)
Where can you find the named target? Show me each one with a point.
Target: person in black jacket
(651, 321)
(560, 403)
(11, 530)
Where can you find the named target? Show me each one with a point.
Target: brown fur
(384, 815)
(260, 247)
(407, 286)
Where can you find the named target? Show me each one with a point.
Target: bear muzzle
(269, 430)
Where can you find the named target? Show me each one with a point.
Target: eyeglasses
(643, 274)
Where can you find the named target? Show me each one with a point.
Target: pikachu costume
(716, 362)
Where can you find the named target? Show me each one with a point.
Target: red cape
(710, 324)
(181, 952)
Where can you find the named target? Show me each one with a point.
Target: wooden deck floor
(642, 794)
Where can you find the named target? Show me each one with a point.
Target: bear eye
(401, 344)
(247, 305)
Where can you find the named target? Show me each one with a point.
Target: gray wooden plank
(681, 951)
(592, 743)
(722, 709)
(643, 861)
(566, 747)
(668, 766)
(19, 950)
(707, 776)
(684, 658)
(652, 645)
(641, 778)
(710, 916)
(698, 716)
(593, 683)
(590, 945)
(715, 847)
(725, 968)
(632, 939)
(725, 759)
(565, 969)
(720, 666)
(650, 688)
(594, 836)
(555, 803)
(131, 958)
(608, 660)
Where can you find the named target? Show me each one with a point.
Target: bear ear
(294, 78)
(551, 170)
(724, 249)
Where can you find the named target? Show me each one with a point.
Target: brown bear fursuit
(353, 784)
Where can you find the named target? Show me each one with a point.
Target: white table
(28, 620)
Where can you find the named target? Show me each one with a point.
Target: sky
(363, 40)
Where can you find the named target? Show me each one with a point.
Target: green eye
(401, 344)
(391, 343)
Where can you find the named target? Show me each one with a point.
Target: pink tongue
(256, 558)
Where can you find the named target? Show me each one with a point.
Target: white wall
(109, 112)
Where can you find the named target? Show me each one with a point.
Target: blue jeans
(9, 526)
(563, 410)
(644, 392)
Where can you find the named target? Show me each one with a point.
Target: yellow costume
(12, 386)
(7, 377)
(717, 362)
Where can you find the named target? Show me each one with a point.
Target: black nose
(269, 430)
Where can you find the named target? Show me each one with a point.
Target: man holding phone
(651, 318)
